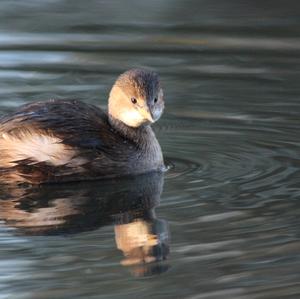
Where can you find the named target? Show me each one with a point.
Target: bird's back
(58, 141)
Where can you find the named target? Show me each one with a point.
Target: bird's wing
(58, 138)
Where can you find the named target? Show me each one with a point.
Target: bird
(57, 141)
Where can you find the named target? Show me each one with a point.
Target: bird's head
(136, 98)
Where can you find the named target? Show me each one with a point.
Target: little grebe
(58, 141)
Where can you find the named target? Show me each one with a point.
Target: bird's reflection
(72, 208)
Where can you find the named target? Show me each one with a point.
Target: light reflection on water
(230, 135)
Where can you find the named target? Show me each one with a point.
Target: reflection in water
(73, 208)
(143, 242)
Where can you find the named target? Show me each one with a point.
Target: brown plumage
(57, 141)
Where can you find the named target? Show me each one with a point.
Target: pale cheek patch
(131, 118)
(40, 148)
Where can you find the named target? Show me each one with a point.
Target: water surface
(224, 220)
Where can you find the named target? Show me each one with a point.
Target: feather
(57, 140)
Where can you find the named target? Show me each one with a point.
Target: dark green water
(224, 221)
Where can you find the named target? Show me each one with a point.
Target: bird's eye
(155, 100)
(133, 100)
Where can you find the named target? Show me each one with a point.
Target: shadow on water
(74, 208)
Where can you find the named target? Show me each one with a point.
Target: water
(224, 220)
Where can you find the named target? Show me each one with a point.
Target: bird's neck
(139, 135)
(143, 139)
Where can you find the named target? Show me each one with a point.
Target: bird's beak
(146, 113)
